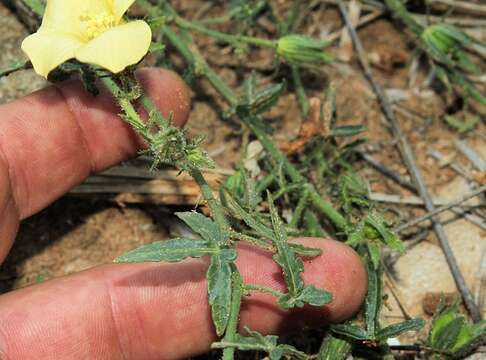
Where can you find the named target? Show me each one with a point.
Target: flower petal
(120, 7)
(118, 47)
(49, 49)
(65, 15)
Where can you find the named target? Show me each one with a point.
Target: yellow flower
(91, 31)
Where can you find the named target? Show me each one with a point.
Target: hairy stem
(232, 329)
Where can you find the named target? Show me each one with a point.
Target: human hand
(49, 142)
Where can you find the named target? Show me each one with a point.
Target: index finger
(53, 139)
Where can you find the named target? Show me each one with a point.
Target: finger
(160, 311)
(53, 139)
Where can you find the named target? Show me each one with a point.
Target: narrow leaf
(16, 66)
(397, 329)
(205, 227)
(220, 289)
(305, 251)
(285, 256)
(249, 220)
(373, 299)
(313, 296)
(350, 331)
(334, 348)
(348, 130)
(168, 250)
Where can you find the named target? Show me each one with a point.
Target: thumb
(160, 311)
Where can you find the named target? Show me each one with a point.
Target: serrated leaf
(373, 299)
(168, 250)
(249, 220)
(391, 239)
(397, 329)
(374, 250)
(220, 288)
(204, 226)
(313, 296)
(333, 348)
(257, 342)
(451, 332)
(291, 266)
(350, 331)
(356, 235)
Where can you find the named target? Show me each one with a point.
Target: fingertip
(168, 91)
(340, 271)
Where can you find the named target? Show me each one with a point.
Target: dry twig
(408, 157)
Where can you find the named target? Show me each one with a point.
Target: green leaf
(451, 332)
(156, 47)
(348, 130)
(462, 126)
(285, 256)
(15, 66)
(313, 296)
(350, 331)
(305, 251)
(248, 219)
(257, 103)
(309, 295)
(397, 329)
(168, 250)
(257, 342)
(288, 351)
(37, 6)
(334, 348)
(205, 227)
(374, 250)
(220, 288)
(391, 239)
(373, 299)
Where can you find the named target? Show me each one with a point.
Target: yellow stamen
(97, 24)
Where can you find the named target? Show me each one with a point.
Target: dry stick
(441, 209)
(386, 171)
(475, 220)
(409, 159)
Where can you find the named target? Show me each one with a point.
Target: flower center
(97, 24)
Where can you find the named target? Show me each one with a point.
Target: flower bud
(300, 50)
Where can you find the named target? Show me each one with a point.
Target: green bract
(301, 50)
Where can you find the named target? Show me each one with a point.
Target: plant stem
(399, 11)
(207, 193)
(131, 115)
(134, 119)
(300, 91)
(232, 328)
(408, 157)
(266, 289)
(299, 209)
(228, 38)
(195, 59)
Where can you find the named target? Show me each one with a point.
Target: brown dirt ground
(77, 233)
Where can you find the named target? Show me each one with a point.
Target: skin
(51, 141)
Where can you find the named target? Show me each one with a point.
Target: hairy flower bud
(300, 50)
